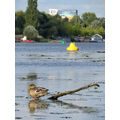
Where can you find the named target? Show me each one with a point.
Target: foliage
(17, 31)
(88, 17)
(101, 31)
(48, 26)
(76, 20)
(31, 16)
(19, 13)
(19, 22)
(98, 23)
(30, 32)
(102, 21)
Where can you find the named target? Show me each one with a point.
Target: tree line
(33, 23)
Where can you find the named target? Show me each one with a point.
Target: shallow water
(59, 70)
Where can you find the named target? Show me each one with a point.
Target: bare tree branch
(56, 96)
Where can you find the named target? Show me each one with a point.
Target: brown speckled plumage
(37, 92)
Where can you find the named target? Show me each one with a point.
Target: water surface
(59, 70)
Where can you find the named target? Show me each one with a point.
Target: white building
(53, 11)
(64, 13)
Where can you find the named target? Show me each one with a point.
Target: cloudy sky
(97, 6)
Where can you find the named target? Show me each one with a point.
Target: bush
(30, 32)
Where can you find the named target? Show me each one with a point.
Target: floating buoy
(63, 41)
(72, 47)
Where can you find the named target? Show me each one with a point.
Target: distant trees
(50, 26)
(36, 22)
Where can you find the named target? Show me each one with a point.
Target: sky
(96, 6)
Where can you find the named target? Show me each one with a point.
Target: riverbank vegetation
(47, 26)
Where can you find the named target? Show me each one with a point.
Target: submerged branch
(56, 96)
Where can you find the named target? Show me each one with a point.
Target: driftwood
(56, 96)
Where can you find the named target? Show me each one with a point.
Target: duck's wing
(41, 91)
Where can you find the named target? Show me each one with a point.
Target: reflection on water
(37, 105)
(32, 76)
(49, 65)
(85, 109)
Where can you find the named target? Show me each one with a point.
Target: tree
(30, 32)
(76, 20)
(17, 31)
(19, 22)
(88, 17)
(100, 22)
(76, 30)
(101, 31)
(50, 26)
(52, 31)
(31, 16)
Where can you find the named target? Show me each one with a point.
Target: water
(59, 70)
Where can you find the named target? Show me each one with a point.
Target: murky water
(59, 70)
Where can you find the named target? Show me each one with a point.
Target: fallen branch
(56, 96)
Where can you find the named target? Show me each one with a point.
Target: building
(65, 13)
(53, 12)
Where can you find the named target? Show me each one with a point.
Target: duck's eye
(37, 90)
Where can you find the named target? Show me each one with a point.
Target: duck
(37, 92)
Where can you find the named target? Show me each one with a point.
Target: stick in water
(56, 96)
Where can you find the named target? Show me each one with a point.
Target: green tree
(101, 31)
(100, 22)
(19, 22)
(30, 32)
(53, 31)
(88, 17)
(50, 26)
(76, 20)
(17, 31)
(31, 16)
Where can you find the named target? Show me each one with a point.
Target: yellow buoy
(72, 47)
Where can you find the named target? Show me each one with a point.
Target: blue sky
(97, 6)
